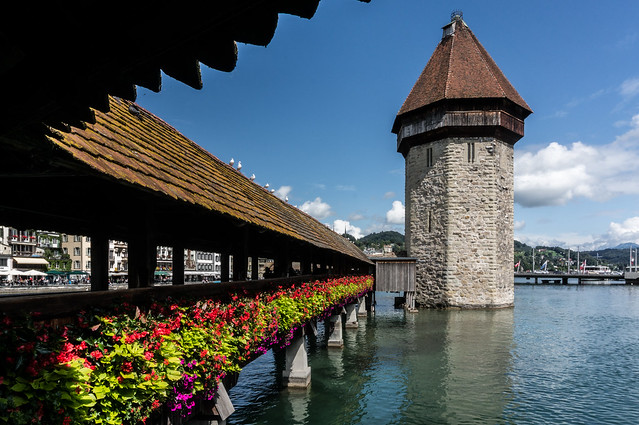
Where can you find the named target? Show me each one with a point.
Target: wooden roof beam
(302, 8)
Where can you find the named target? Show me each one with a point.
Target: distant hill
(616, 258)
(627, 245)
(378, 240)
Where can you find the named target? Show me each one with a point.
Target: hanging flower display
(120, 366)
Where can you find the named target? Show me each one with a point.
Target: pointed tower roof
(460, 68)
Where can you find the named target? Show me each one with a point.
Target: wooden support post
(254, 267)
(224, 267)
(240, 265)
(297, 373)
(142, 261)
(178, 264)
(99, 262)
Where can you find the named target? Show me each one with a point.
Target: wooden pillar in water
(178, 264)
(99, 262)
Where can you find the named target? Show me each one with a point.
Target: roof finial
(456, 15)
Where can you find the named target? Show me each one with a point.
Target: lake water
(562, 355)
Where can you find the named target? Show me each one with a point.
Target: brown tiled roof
(460, 68)
(134, 146)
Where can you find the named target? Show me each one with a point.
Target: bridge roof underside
(59, 60)
(75, 159)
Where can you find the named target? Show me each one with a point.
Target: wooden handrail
(51, 306)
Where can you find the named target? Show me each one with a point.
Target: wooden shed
(396, 274)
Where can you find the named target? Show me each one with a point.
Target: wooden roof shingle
(459, 68)
(134, 146)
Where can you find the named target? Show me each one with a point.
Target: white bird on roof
(239, 165)
(232, 161)
(286, 199)
(252, 177)
(266, 185)
(272, 190)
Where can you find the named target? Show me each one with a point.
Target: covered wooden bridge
(80, 157)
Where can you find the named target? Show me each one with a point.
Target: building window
(3, 262)
(471, 152)
(77, 238)
(65, 238)
(76, 250)
(429, 157)
(88, 265)
(76, 265)
(89, 252)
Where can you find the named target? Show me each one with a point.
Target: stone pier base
(297, 373)
(351, 317)
(361, 307)
(334, 331)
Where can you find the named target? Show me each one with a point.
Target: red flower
(97, 354)
(127, 367)
(148, 355)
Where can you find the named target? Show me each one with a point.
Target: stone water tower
(456, 131)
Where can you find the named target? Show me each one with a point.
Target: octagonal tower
(456, 131)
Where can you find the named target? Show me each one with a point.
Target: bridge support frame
(361, 307)
(351, 316)
(297, 373)
(334, 331)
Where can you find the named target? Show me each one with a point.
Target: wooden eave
(59, 61)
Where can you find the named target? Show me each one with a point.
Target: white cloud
(389, 195)
(630, 87)
(396, 214)
(519, 225)
(356, 217)
(283, 192)
(558, 174)
(317, 208)
(341, 226)
(619, 233)
(346, 188)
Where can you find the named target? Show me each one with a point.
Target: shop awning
(30, 261)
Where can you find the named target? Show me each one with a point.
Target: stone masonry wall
(459, 222)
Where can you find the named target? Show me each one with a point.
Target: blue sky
(311, 113)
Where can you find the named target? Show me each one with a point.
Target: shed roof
(135, 147)
(459, 68)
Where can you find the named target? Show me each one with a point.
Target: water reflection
(562, 355)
